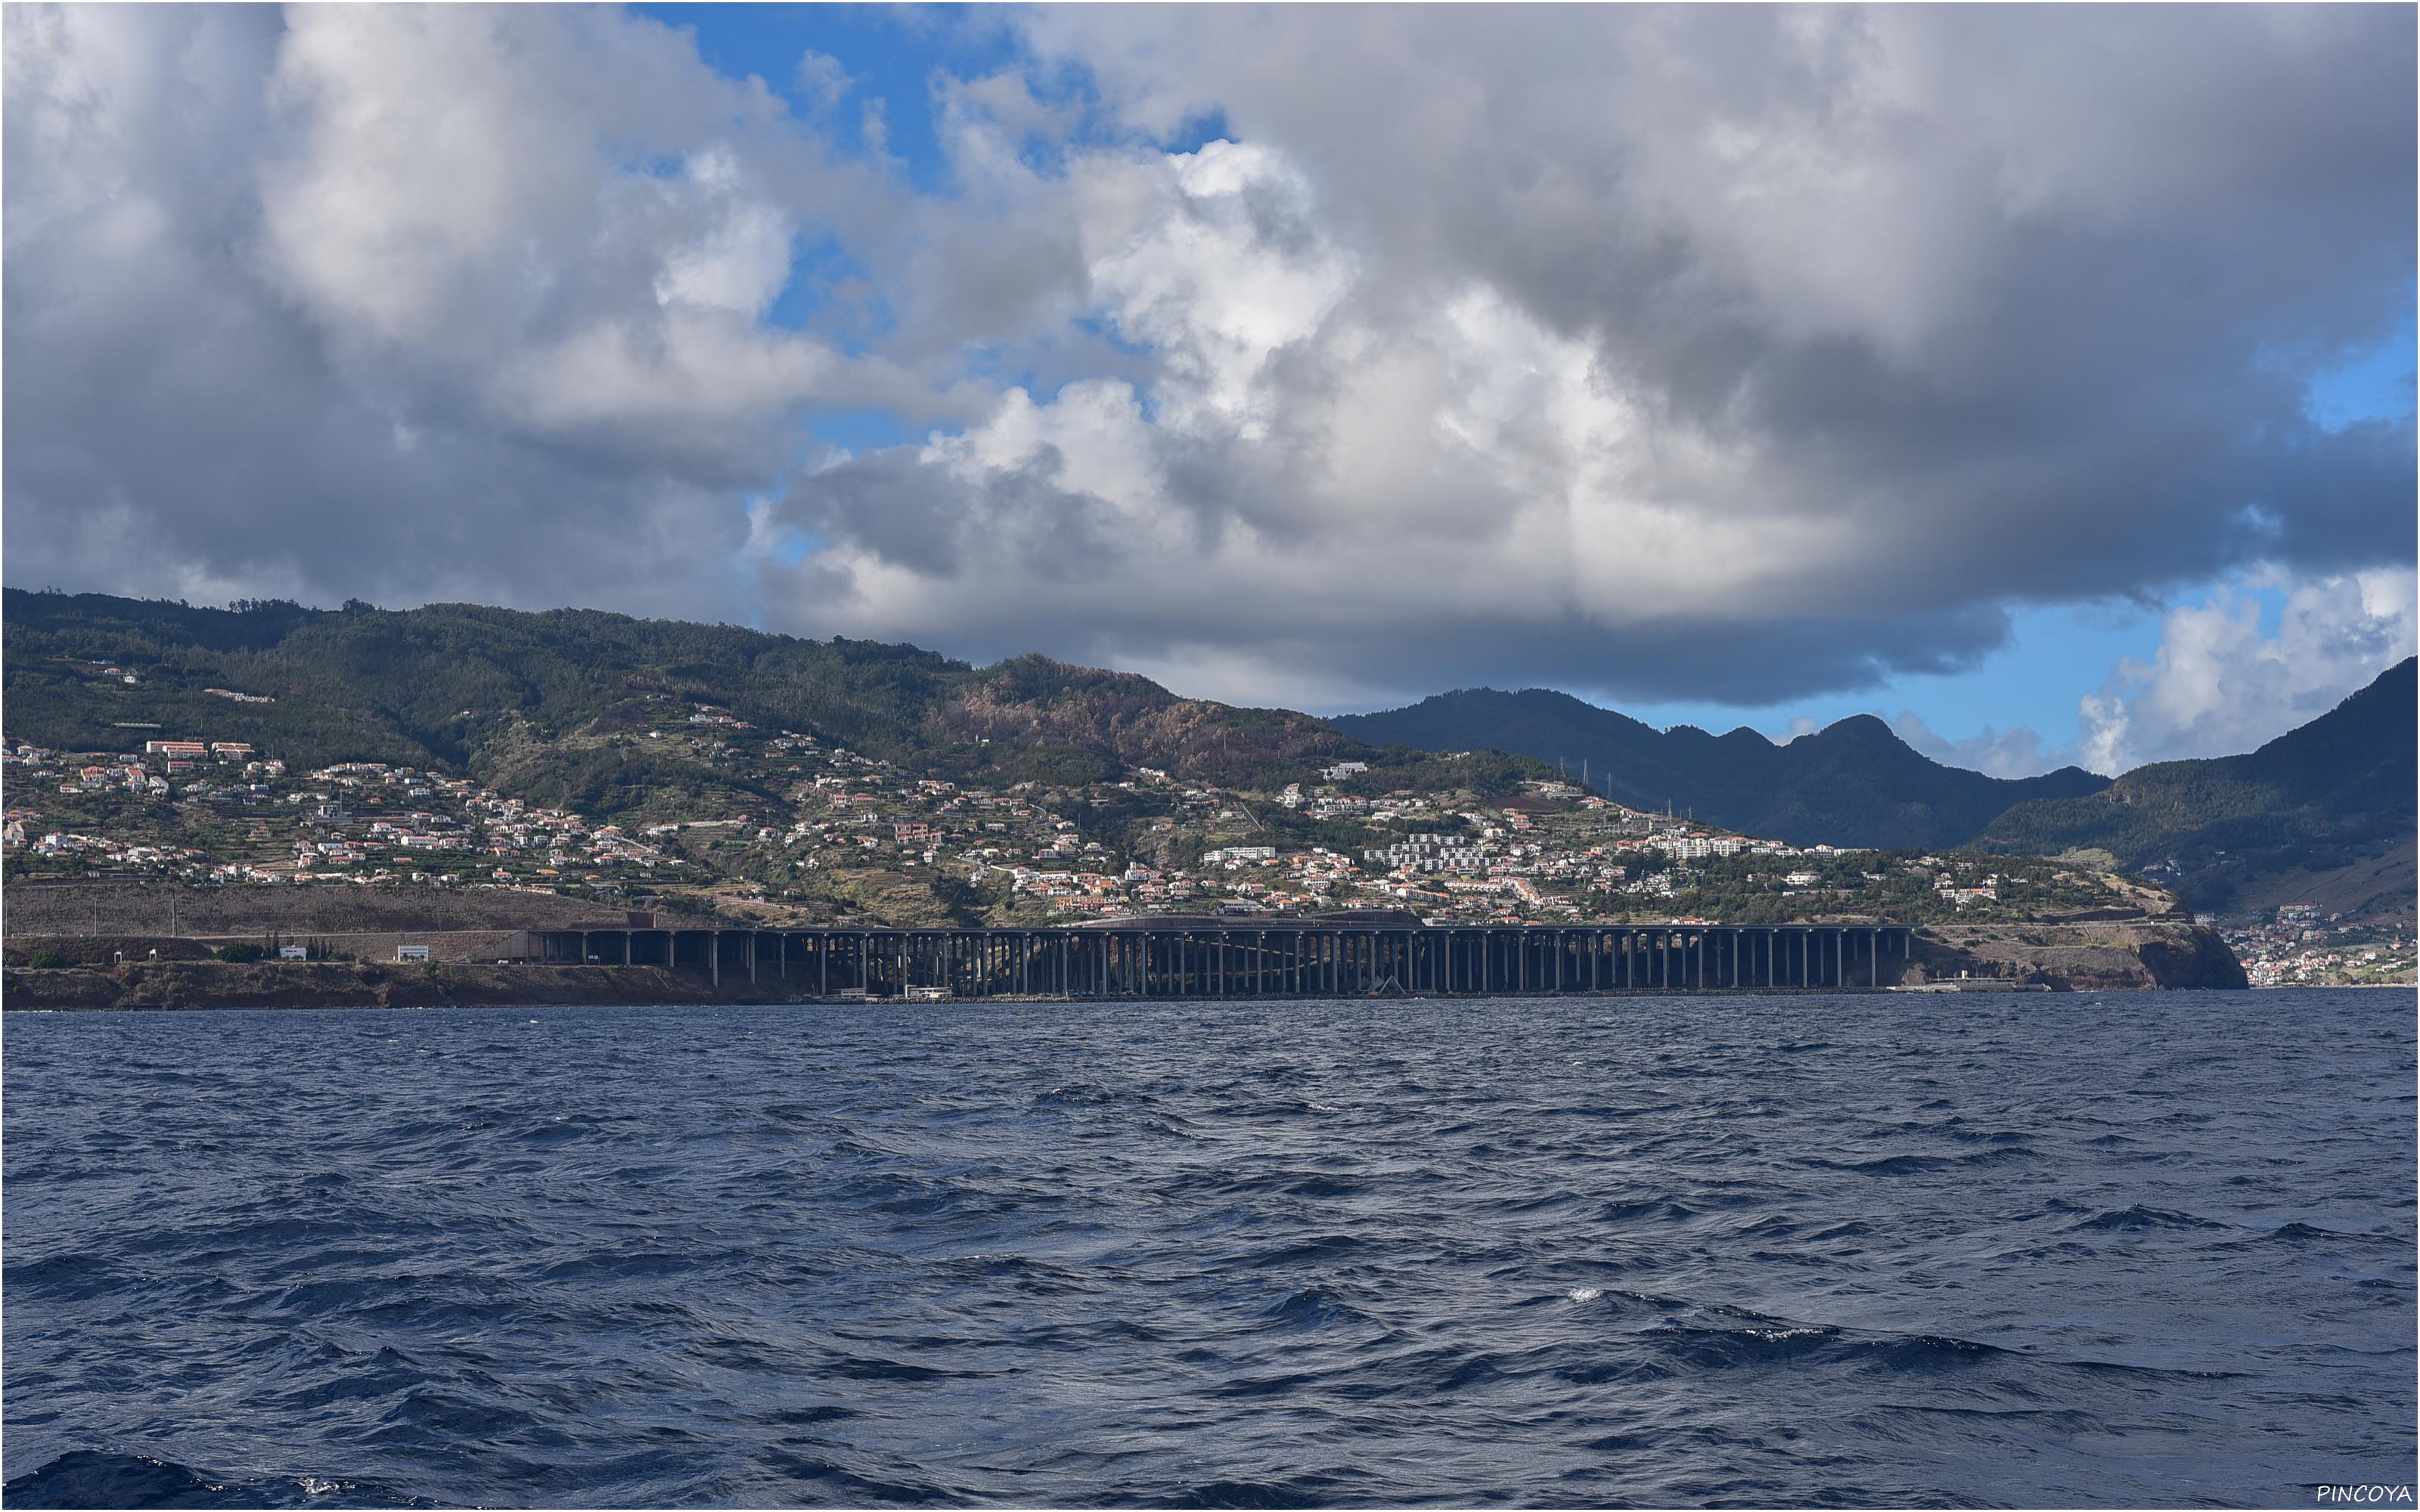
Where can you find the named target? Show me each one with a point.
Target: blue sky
(1325, 357)
(892, 54)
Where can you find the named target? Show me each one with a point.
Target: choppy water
(2146, 1249)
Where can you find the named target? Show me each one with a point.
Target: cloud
(2221, 685)
(2010, 754)
(1730, 355)
(398, 302)
(1721, 355)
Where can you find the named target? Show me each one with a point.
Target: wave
(97, 1478)
(2120, 1220)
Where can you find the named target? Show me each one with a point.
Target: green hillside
(1853, 783)
(549, 704)
(2334, 796)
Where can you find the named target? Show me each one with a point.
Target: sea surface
(2141, 1249)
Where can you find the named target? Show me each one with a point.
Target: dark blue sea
(2108, 1249)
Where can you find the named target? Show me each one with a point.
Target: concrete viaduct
(1211, 956)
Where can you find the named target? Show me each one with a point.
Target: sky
(2039, 378)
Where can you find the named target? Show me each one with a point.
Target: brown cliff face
(1032, 701)
(2201, 959)
(2091, 957)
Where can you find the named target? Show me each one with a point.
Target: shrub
(47, 960)
(237, 952)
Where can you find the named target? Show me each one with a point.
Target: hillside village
(2297, 948)
(855, 838)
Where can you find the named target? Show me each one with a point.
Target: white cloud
(741, 259)
(1206, 281)
(357, 301)
(440, 154)
(2218, 685)
(2009, 753)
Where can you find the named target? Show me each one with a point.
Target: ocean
(2140, 1249)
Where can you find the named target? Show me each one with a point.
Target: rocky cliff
(2104, 957)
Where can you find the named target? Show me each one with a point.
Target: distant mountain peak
(1854, 782)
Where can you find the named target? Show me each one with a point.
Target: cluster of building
(2298, 947)
(1495, 864)
(353, 821)
(58, 845)
(1552, 851)
(144, 771)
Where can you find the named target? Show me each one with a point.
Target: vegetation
(555, 705)
(2331, 795)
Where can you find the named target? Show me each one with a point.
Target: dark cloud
(1709, 354)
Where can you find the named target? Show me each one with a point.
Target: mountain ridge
(2330, 799)
(1854, 782)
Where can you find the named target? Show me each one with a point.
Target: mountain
(556, 704)
(1852, 783)
(2324, 811)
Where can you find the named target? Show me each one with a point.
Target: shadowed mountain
(1852, 783)
(2325, 810)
